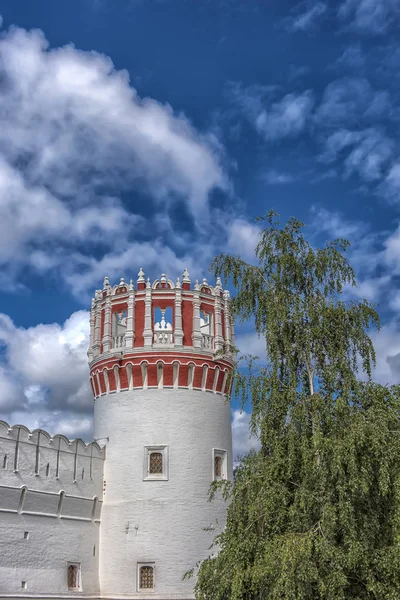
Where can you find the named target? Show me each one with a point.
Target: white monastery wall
(50, 505)
(42, 559)
(160, 522)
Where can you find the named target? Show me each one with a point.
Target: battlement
(160, 334)
(50, 463)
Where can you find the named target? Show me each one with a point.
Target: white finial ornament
(141, 278)
(219, 282)
(122, 281)
(185, 276)
(131, 284)
(205, 281)
(163, 278)
(197, 287)
(178, 283)
(148, 284)
(106, 283)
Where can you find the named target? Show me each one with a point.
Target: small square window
(155, 463)
(24, 585)
(74, 576)
(219, 464)
(26, 535)
(146, 576)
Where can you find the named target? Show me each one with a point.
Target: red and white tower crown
(160, 335)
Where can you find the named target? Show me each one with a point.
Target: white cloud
(308, 18)
(287, 117)
(352, 57)
(243, 238)
(251, 343)
(387, 347)
(365, 153)
(71, 130)
(369, 16)
(45, 369)
(348, 100)
(241, 440)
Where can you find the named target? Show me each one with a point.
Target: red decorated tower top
(160, 335)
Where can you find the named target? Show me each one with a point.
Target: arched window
(156, 464)
(146, 578)
(218, 466)
(73, 577)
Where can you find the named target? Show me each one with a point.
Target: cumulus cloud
(44, 376)
(243, 238)
(241, 440)
(73, 132)
(369, 16)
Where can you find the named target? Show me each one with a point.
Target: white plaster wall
(54, 540)
(42, 559)
(170, 515)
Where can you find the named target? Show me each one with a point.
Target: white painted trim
(164, 476)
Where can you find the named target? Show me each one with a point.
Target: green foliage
(315, 513)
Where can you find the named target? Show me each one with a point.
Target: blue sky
(152, 132)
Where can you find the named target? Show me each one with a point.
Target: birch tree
(315, 513)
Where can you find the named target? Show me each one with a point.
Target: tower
(160, 362)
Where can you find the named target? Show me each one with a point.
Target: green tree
(315, 513)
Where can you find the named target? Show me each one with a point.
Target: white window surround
(148, 450)
(223, 455)
(146, 564)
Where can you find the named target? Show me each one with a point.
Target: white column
(107, 338)
(178, 332)
(227, 320)
(148, 330)
(196, 335)
(92, 323)
(130, 320)
(219, 338)
(97, 328)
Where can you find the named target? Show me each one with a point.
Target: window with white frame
(219, 464)
(155, 463)
(74, 576)
(145, 576)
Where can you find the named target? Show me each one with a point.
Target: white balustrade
(207, 342)
(118, 341)
(163, 337)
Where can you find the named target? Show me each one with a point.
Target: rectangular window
(155, 463)
(145, 576)
(219, 464)
(74, 576)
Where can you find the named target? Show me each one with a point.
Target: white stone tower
(159, 366)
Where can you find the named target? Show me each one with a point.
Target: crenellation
(46, 462)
